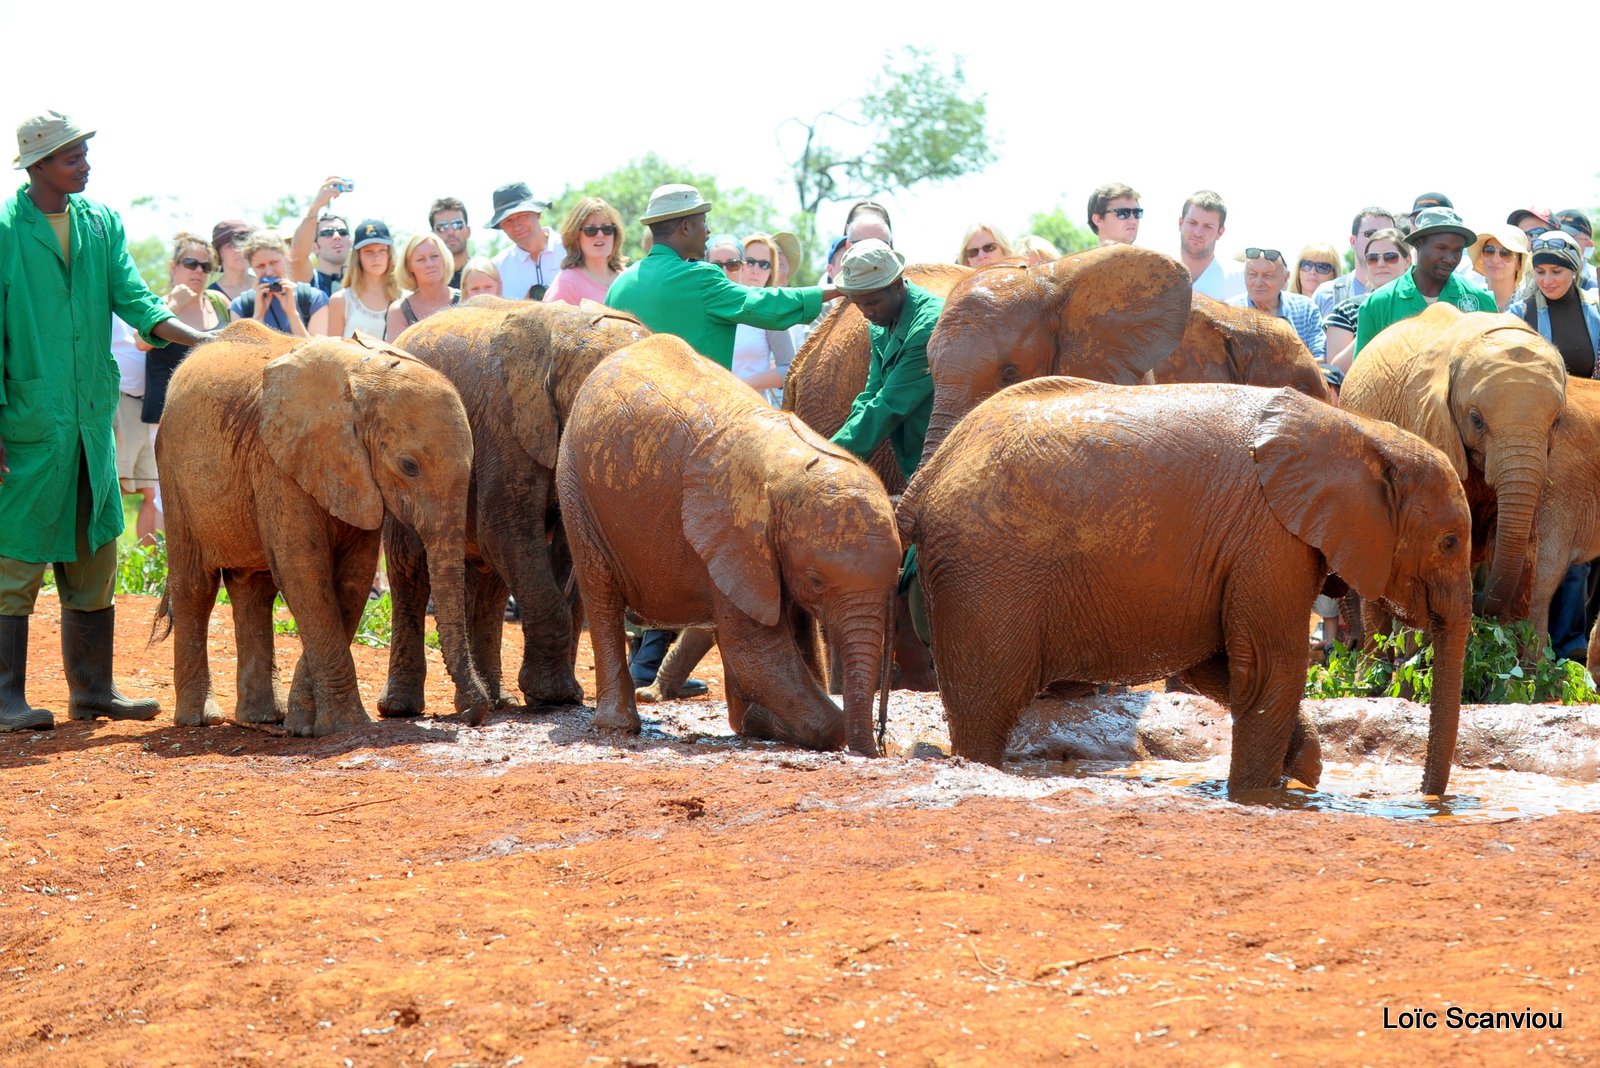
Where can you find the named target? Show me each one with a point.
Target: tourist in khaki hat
(64, 269)
(898, 397)
(674, 291)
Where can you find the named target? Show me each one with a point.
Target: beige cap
(674, 202)
(44, 134)
(869, 265)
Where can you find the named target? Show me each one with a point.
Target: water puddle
(1477, 795)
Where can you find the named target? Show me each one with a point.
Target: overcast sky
(1297, 113)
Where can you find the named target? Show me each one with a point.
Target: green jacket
(695, 301)
(1400, 299)
(898, 397)
(58, 380)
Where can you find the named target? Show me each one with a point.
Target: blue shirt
(1301, 313)
(307, 298)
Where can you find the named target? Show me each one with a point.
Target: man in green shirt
(1438, 240)
(64, 269)
(898, 397)
(674, 291)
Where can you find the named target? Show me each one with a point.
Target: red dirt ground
(422, 893)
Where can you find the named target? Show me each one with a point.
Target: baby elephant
(1073, 533)
(279, 458)
(691, 502)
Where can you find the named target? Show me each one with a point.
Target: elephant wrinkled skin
(1244, 347)
(689, 501)
(1569, 514)
(280, 458)
(1072, 533)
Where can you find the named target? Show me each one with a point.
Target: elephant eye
(409, 467)
(1449, 543)
(1477, 421)
(1009, 373)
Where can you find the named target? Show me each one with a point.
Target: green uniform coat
(1400, 299)
(695, 301)
(58, 380)
(898, 397)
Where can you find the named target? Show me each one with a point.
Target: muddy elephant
(1486, 390)
(517, 366)
(1073, 533)
(689, 501)
(1244, 347)
(279, 459)
(1569, 513)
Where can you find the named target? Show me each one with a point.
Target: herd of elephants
(1123, 481)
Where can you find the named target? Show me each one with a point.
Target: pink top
(572, 286)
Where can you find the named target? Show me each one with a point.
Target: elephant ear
(727, 517)
(524, 347)
(1326, 480)
(1123, 311)
(308, 424)
(379, 347)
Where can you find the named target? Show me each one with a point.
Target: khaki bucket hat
(869, 265)
(674, 202)
(44, 134)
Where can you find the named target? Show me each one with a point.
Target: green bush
(142, 569)
(1496, 670)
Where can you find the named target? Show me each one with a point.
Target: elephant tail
(907, 512)
(161, 625)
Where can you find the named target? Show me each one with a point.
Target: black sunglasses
(1386, 257)
(1126, 213)
(595, 231)
(189, 263)
(1554, 241)
(342, 231)
(1263, 253)
(1317, 266)
(751, 261)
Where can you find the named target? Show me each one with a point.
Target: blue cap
(372, 232)
(834, 248)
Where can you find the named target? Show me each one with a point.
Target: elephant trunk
(857, 624)
(947, 412)
(1517, 478)
(1449, 634)
(447, 577)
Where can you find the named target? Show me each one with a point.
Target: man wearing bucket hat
(532, 262)
(64, 269)
(898, 398)
(673, 290)
(1438, 240)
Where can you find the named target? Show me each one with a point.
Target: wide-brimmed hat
(44, 134)
(674, 202)
(790, 246)
(372, 232)
(513, 197)
(1432, 221)
(1507, 235)
(1558, 249)
(869, 265)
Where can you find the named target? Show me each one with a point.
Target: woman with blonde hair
(1037, 249)
(479, 276)
(592, 236)
(982, 244)
(425, 268)
(369, 287)
(761, 358)
(1501, 255)
(1318, 263)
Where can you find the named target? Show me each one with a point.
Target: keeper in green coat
(64, 269)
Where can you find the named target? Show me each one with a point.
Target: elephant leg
(1351, 612)
(783, 700)
(691, 647)
(602, 602)
(407, 561)
(486, 621)
(1209, 678)
(191, 594)
(261, 696)
(567, 583)
(338, 710)
(986, 679)
(1267, 678)
(327, 606)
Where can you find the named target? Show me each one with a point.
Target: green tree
(288, 209)
(150, 256)
(917, 122)
(736, 210)
(1056, 228)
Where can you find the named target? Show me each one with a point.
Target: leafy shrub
(1496, 670)
(142, 569)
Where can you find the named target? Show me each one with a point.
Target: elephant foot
(401, 700)
(550, 692)
(263, 712)
(340, 722)
(300, 721)
(1304, 761)
(617, 717)
(209, 715)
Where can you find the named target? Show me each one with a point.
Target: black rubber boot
(15, 713)
(87, 641)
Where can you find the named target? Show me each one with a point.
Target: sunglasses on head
(1263, 254)
(1535, 231)
(441, 227)
(1126, 213)
(594, 231)
(726, 265)
(329, 231)
(988, 250)
(189, 263)
(1556, 240)
(764, 265)
(1385, 257)
(1317, 266)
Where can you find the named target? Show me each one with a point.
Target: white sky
(1297, 113)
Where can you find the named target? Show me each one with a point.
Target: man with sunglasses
(328, 234)
(64, 270)
(1114, 214)
(1438, 243)
(447, 217)
(1358, 283)
(1266, 272)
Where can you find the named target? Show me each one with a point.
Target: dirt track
(533, 893)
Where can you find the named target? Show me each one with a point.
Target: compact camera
(274, 284)
(344, 185)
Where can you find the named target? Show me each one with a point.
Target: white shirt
(130, 361)
(519, 272)
(1218, 282)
